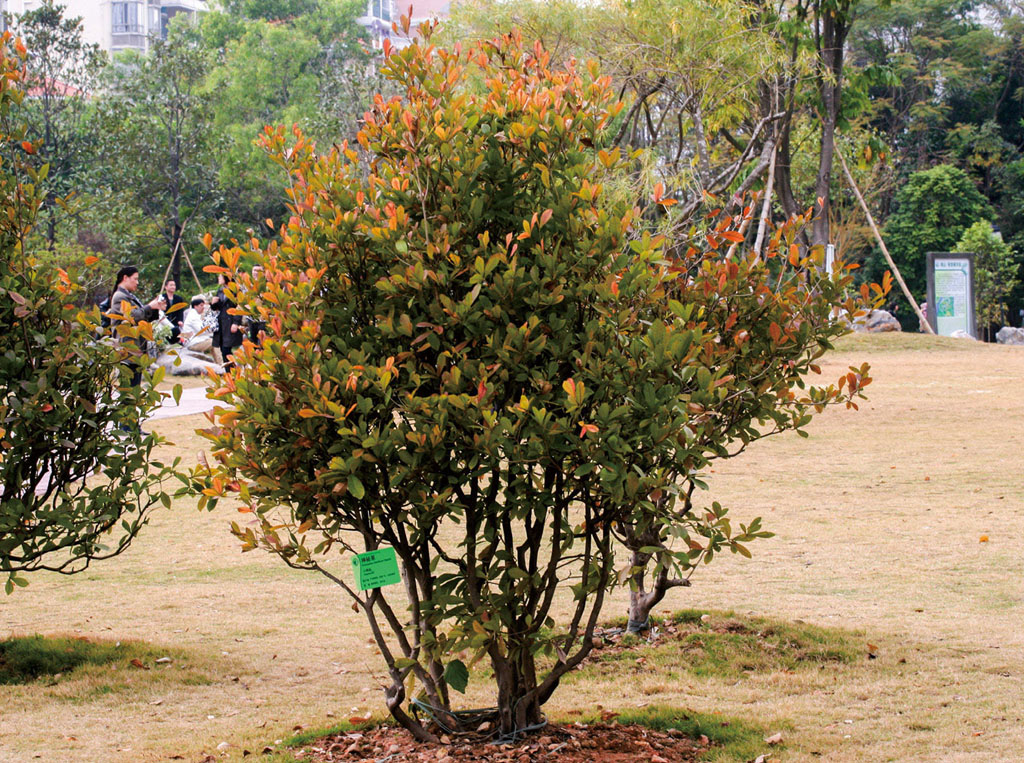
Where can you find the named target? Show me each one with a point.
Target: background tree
(933, 209)
(70, 490)
(701, 81)
(157, 147)
(62, 75)
(474, 356)
(307, 68)
(996, 272)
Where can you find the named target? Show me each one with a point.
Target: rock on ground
(877, 321)
(1010, 335)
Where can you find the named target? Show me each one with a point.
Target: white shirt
(193, 323)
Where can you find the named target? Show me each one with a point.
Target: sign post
(951, 293)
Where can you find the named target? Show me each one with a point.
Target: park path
(193, 400)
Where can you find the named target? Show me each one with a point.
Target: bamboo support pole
(881, 244)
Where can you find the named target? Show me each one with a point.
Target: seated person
(195, 331)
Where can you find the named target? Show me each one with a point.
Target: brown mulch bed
(576, 743)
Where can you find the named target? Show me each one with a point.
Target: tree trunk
(519, 706)
(834, 28)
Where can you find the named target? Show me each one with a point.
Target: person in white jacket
(195, 333)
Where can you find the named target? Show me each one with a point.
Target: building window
(126, 18)
(381, 9)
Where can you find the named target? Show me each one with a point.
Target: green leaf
(355, 487)
(456, 675)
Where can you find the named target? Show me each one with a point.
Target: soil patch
(576, 743)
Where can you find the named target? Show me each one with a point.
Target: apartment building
(381, 13)
(117, 24)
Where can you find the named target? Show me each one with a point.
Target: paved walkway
(193, 400)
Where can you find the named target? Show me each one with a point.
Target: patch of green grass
(312, 735)
(724, 645)
(96, 667)
(731, 739)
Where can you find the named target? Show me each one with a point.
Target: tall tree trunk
(834, 28)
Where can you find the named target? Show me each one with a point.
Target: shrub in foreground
(474, 357)
(76, 476)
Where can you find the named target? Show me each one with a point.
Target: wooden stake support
(881, 244)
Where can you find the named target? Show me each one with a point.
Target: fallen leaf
(983, 539)
(139, 664)
(774, 738)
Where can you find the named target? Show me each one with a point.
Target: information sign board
(951, 293)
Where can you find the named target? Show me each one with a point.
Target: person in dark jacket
(175, 309)
(230, 332)
(124, 303)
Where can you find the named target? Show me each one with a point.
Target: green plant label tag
(376, 569)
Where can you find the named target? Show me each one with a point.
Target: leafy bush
(933, 209)
(475, 358)
(77, 481)
(996, 271)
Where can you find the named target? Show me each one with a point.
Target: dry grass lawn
(879, 516)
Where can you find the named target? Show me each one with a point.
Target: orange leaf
(28, 147)
(569, 385)
(91, 259)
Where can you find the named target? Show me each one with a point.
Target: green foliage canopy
(77, 478)
(932, 212)
(476, 356)
(996, 272)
